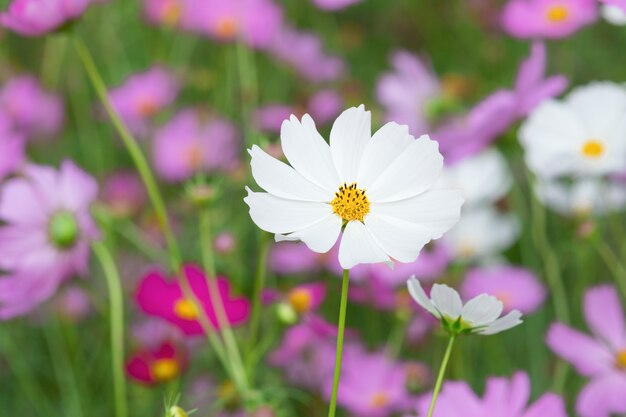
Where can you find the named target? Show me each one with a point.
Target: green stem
(259, 283)
(133, 149)
(612, 262)
(442, 372)
(339, 352)
(117, 326)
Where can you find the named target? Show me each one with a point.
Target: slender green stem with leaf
(345, 281)
(442, 372)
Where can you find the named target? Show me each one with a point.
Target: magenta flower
(304, 52)
(38, 17)
(187, 145)
(372, 385)
(30, 108)
(254, 22)
(517, 288)
(502, 398)
(532, 19)
(158, 365)
(600, 357)
(406, 92)
(160, 297)
(124, 193)
(12, 153)
(143, 95)
(334, 4)
(165, 12)
(46, 236)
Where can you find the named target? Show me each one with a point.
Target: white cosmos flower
(479, 315)
(378, 188)
(585, 134)
(483, 178)
(615, 15)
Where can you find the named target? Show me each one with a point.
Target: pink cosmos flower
(618, 3)
(324, 106)
(12, 153)
(372, 385)
(143, 95)
(600, 357)
(46, 235)
(38, 17)
(73, 303)
(165, 12)
(158, 365)
(287, 258)
(187, 145)
(304, 52)
(224, 243)
(502, 398)
(531, 19)
(302, 299)
(160, 297)
(153, 332)
(517, 288)
(30, 108)
(406, 92)
(124, 193)
(254, 22)
(334, 4)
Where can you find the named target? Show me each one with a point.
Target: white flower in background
(585, 134)
(479, 315)
(377, 188)
(613, 14)
(484, 178)
(582, 197)
(482, 233)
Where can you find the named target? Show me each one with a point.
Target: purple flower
(38, 17)
(187, 145)
(73, 303)
(406, 91)
(531, 19)
(12, 153)
(46, 236)
(601, 356)
(502, 398)
(254, 22)
(124, 193)
(372, 385)
(32, 110)
(517, 288)
(304, 52)
(288, 258)
(143, 95)
(618, 3)
(164, 12)
(334, 4)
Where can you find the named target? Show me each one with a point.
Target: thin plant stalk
(117, 326)
(340, 332)
(259, 283)
(442, 372)
(613, 263)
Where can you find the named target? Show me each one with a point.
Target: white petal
(446, 300)
(283, 181)
(308, 153)
(435, 210)
(320, 237)
(420, 297)
(359, 247)
(349, 137)
(412, 173)
(278, 215)
(386, 145)
(504, 323)
(482, 310)
(401, 240)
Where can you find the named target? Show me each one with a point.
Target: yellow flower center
(146, 107)
(186, 309)
(557, 14)
(379, 400)
(620, 359)
(226, 27)
(467, 249)
(300, 299)
(164, 369)
(194, 156)
(172, 13)
(226, 391)
(350, 203)
(593, 148)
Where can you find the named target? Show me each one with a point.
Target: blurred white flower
(613, 14)
(479, 315)
(585, 134)
(482, 233)
(377, 189)
(582, 197)
(483, 178)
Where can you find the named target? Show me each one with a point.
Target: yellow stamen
(226, 27)
(172, 12)
(164, 369)
(379, 400)
(620, 359)
(186, 309)
(146, 107)
(300, 299)
(350, 203)
(593, 148)
(194, 157)
(557, 14)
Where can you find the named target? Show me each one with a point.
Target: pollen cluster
(620, 359)
(557, 14)
(593, 148)
(350, 203)
(186, 309)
